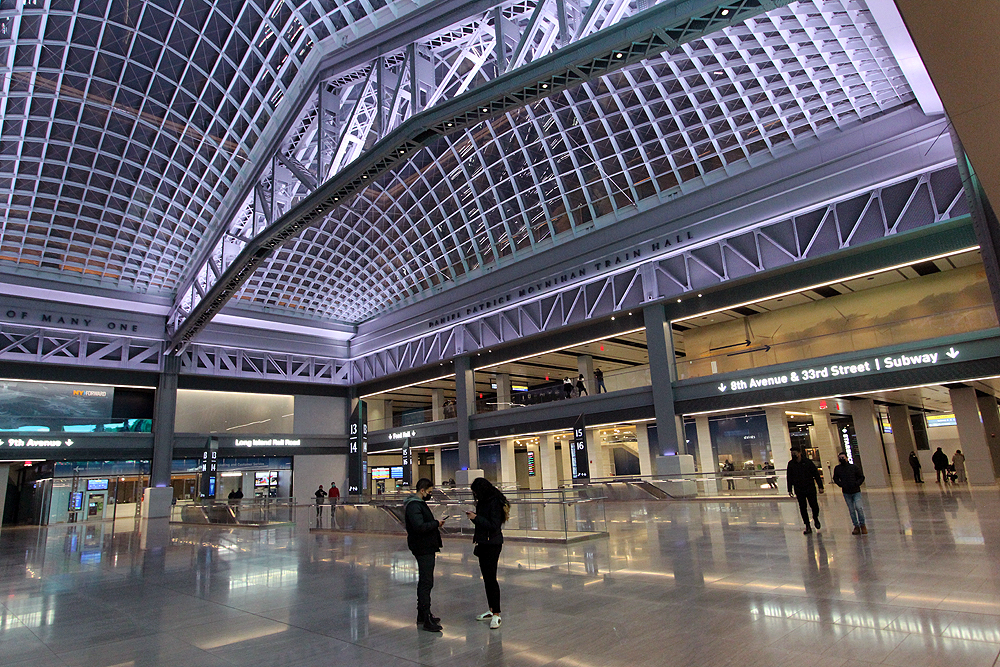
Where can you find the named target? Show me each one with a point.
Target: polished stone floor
(676, 583)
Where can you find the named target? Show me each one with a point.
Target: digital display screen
(380, 473)
(261, 478)
(97, 484)
(76, 501)
(396, 472)
(941, 420)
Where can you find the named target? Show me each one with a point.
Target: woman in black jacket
(491, 512)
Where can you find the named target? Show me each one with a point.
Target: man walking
(423, 537)
(803, 477)
(940, 461)
(320, 495)
(915, 464)
(850, 478)
(599, 381)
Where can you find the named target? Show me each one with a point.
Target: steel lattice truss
(241, 363)
(586, 157)
(74, 348)
(930, 197)
(897, 207)
(125, 124)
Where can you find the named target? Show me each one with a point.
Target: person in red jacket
(333, 494)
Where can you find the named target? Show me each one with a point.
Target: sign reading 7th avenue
(862, 366)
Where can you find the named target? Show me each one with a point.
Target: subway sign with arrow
(862, 366)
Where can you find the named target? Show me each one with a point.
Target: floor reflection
(920, 589)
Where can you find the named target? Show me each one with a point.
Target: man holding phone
(423, 537)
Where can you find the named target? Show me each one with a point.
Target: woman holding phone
(492, 511)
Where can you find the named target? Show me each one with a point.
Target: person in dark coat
(940, 461)
(915, 464)
(599, 381)
(803, 478)
(581, 386)
(423, 537)
(320, 495)
(492, 510)
(850, 478)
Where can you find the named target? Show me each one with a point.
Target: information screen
(380, 473)
(76, 501)
(396, 472)
(97, 484)
(261, 478)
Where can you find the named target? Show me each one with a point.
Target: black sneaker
(807, 531)
(431, 626)
(421, 618)
(816, 521)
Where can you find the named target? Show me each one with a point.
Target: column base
(156, 502)
(465, 477)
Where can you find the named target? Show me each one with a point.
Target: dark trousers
(808, 497)
(489, 557)
(425, 581)
(916, 475)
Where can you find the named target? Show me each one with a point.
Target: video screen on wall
(97, 484)
(261, 478)
(380, 473)
(26, 404)
(396, 472)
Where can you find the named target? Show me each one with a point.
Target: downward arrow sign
(952, 352)
(722, 387)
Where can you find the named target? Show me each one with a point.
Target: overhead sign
(357, 450)
(863, 366)
(36, 442)
(268, 442)
(578, 459)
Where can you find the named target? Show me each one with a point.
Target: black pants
(916, 475)
(489, 557)
(425, 581)
(808, 497)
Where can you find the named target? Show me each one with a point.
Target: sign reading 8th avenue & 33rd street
(862, 366)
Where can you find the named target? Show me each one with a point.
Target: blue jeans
(855, 508)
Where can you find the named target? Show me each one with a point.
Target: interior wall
(319, 415)
(312, 470)
(940, 304)
(233, 413)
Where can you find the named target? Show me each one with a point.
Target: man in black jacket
(803, 477)
(850, 478)
(915, 464)
(940, 461)
(423, 537)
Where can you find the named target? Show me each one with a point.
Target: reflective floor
(682, 583)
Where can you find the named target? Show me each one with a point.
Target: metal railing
(245, 512)
(561, 515)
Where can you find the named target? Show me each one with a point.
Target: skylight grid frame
(609, 186)
(134, 208)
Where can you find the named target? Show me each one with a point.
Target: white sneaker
(495, 622)
(485, 616)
